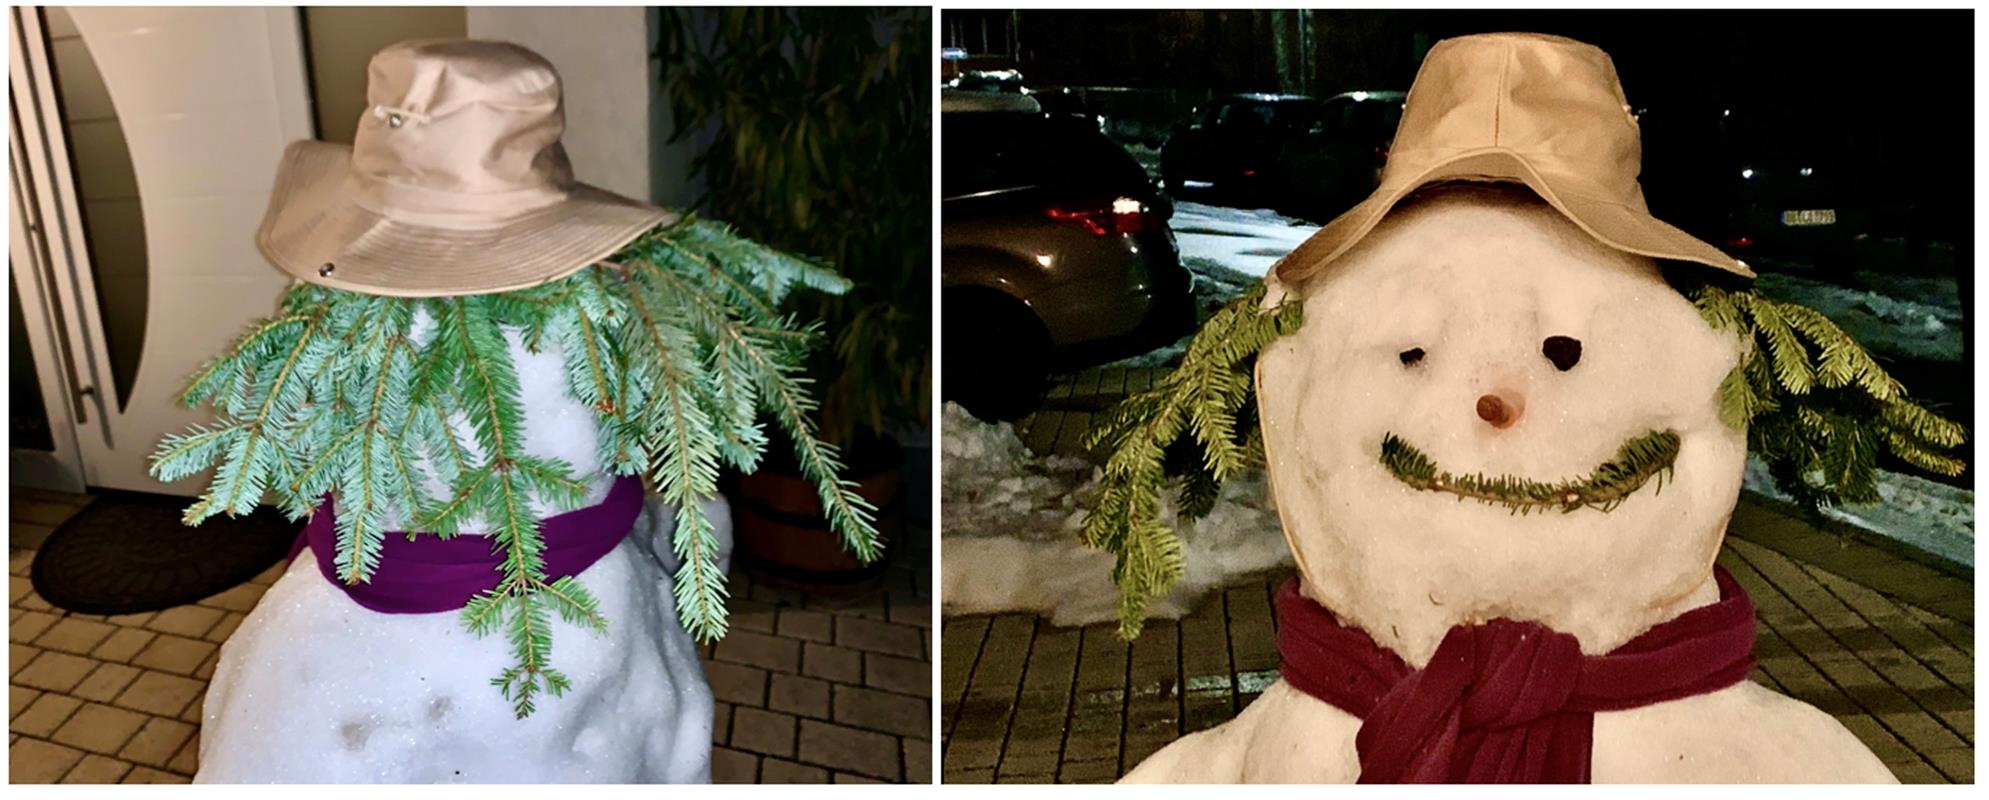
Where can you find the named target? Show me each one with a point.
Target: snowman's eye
(1564, 351)
(1411, 356)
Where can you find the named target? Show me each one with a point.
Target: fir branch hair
(675, 342)
(1201, 401)
(1816, 406)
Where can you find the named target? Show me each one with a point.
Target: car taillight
(1124, 216)
(1740, 241)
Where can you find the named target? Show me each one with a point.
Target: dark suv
(1336, 162)
(1055, 254)
(1228, 146)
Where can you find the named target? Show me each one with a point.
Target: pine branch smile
(1640, 459)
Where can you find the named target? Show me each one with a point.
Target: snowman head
(1487, 413)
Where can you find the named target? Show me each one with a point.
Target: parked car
(1762, 184)
(1228, 146)
(1336, 161)
(1055, 254)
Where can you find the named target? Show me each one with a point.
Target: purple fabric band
(430, 574)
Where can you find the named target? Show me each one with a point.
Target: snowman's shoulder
(1284, 736)
(1746, 733)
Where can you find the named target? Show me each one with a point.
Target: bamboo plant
(814, 133)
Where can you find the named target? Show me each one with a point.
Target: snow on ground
(1244, 240)
(1934, 517)
(1228, 250)
(1011, 521)
(1916, 317)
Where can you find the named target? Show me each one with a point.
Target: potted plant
(823, 151)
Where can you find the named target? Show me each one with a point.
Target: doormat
(127, 553)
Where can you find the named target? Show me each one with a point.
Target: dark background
(1889, 91)
(1881, 102)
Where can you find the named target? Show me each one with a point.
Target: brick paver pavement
(808, 690)
(1876, 637)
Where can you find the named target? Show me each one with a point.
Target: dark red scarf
(1505, 701)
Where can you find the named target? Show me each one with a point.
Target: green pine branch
(1817, 407)
(1200, 402)
(674, 344)
(1635, 463)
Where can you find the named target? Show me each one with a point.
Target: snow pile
(1920, 319)
(314, 688)
(1934, 517)
(1011, 522)
(1246, 240)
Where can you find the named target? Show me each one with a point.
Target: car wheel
(996, 355)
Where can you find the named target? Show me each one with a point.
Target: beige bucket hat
(1540, 110)
(455, 183)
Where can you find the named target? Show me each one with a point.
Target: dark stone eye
(1564, 351)
(1411, 356)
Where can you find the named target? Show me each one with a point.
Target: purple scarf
(1505, 701)
(430, 574)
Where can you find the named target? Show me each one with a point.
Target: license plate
(1807, 217)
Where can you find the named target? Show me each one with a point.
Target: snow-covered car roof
(952, 101)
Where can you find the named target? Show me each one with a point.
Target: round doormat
(127, 553)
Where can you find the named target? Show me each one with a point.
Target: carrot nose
(1500, 410)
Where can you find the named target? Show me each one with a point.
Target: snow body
(315, 688)
(1477, 278)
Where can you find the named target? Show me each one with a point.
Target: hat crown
(460, 127)
(1556, 101)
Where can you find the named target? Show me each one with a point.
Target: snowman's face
(1483, 331)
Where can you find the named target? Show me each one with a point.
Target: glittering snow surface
(1245, 240)
(1011, 520)
(314, 688)
(1934, 517)
(1916, 317)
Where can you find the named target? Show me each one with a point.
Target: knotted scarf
(430, 574)
(1504, 701)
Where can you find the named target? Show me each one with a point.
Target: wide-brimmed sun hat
(1543, 111)
(455, 183)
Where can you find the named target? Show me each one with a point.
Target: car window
(986, 152)
(1370, 121)
(1246, 115)
(1373, 120)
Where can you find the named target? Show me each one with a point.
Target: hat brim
(313, 221)
(1625, 228)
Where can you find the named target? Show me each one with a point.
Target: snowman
(1505, 447)
(483, 371)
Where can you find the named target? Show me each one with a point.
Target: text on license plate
(1812, 216)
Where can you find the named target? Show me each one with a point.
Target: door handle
(82, 407)
(80, 392)
(27, 203)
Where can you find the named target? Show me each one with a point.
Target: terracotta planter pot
(782, 538)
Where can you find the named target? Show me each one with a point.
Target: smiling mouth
(1635, 463)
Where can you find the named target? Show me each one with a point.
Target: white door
(200, 102)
